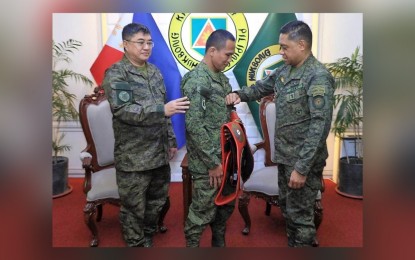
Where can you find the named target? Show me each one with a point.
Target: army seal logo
(263, 63)
(188, 33)
(318, 93)
(124, 96)
(318, 102)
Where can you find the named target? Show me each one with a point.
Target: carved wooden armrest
(86, 159)
(257, 146)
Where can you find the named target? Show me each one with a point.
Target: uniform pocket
(140, 91)
(295, 95)
(294, 106)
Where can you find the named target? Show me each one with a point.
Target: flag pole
(104, 29)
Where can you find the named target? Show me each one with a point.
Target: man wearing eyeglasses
(144, 138)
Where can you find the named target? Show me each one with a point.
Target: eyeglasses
(140, 44)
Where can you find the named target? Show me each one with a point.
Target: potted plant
(63, 109)
(348, 122)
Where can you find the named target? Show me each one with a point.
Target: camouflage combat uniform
(143, 136)
(206, 91)
(304, 98)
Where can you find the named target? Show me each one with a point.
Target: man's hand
(232, 99)
(172, 152)
(179, 105)
(215, 176)
(297, 180)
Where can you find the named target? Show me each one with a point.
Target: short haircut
(218, 39)
(298, 30)
(132, 29)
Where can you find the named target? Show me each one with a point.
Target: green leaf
(63, 102)
(348, 100)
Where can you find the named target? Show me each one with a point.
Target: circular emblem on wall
(124, 96)
(263, 63)
(188, 33)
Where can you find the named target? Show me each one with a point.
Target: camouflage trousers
(297, 206)
(142, 196)
(203, 212)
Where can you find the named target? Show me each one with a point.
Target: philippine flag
(161, 57)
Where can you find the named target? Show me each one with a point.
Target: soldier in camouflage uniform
(144, 138)
(206, 86)
(303, 91)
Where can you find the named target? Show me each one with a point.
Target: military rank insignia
(318, 90)
(203, 104)
(205, 93)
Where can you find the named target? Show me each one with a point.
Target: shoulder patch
(124, 96)
(318, 102)
(318, 90)
(123, 92)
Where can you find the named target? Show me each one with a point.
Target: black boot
(148, 241)
(218, 240)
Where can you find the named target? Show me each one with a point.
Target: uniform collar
(132, 69)
(215, 76)
(287, 75)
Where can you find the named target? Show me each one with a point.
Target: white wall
(338, 35)
(86, 28)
